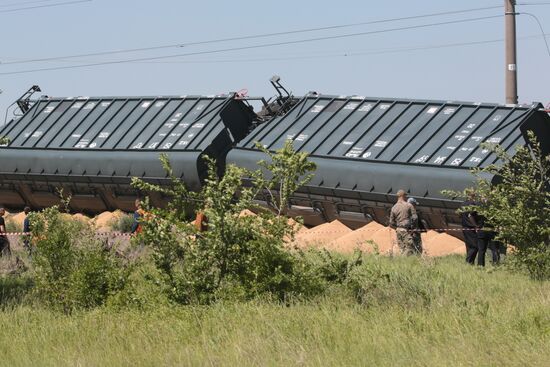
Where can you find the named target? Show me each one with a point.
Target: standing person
(486, 239)
(27, 230)
(470, 228)
(419, 227)
(402, 217)
(138, 213)
(4, 242)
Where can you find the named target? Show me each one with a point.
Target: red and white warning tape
(103, 234)
(311, 231)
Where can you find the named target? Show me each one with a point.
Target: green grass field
(422, 313)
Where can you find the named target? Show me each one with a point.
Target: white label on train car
(317, 108)
(456, 162)
(365, 108)
(440, 159)
(351, 106)
(82, 143)
(422, 159)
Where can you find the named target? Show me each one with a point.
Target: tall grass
(421, 313)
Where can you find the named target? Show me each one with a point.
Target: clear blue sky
(469, 73)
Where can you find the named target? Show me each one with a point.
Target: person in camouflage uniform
(402, 217)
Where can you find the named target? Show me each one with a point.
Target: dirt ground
(334, 236)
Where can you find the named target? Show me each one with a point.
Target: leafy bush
(73, 268)
(518, 204)
(238, 256)
(122, 223)
(11, 226)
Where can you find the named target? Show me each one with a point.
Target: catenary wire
(45, 6)
(307, 40)
(248, 37)
(347, 54)
(19, 4)
(541, 29)
(333, 54)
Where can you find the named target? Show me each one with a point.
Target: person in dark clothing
(419, 227)
(486, 239)
(136, 226)
(470, 227)
(27, 230)
(4, 242)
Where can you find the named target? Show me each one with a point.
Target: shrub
(238, 256)
(73, 268)
(518, 204)
(122, 223)
(11, 226)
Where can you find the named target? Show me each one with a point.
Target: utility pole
(511, 54)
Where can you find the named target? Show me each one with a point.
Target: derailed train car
(92, 147)
(365, 149)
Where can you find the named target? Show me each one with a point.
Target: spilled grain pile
(359, 239)
(81, 217)
(17, 219)
(321, 235)
(443, 244)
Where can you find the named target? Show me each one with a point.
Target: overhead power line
(20, 3)
(541, 29)
(250, 47)
(248, 37)
(44, 6)
(345, 54)
(535, 4)
(329, 54)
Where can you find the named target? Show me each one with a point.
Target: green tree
(238, 256)
(518, 204)
(288, 171)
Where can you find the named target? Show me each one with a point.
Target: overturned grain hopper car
(366, 149)
(92, 147)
